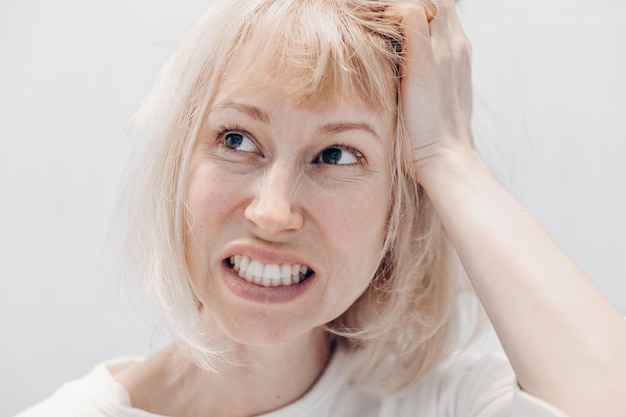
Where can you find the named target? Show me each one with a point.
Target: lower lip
(267, 295)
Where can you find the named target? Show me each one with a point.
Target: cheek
(211, 195)
(360, 216)
(356, 224)
(211, 198)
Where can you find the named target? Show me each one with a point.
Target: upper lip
(265, 255)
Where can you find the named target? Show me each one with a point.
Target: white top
(462, 386)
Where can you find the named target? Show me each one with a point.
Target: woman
(290, 225)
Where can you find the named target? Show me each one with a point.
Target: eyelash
(360, 158)
(224, 129)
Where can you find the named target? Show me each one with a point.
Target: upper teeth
(271, 275)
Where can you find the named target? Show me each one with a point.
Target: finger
(454, 23)
(431, 9)
(413, 22)
(446, 12)
(440, 25)
(397, 11)
(410, 15)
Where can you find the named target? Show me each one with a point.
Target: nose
(272, 210)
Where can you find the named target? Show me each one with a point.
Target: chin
(262, 329)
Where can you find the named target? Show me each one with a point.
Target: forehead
(269, 99)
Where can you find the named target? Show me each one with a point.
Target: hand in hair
(435, 91)
(565, 340)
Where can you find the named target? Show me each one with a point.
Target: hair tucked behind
(407, 320)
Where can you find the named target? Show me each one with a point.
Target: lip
(266, 295)
(265, 256)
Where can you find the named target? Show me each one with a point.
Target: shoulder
(461, 386)
(471, 386)
(95, 394)
(453, 388)
(466, 382)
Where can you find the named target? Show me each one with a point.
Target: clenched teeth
(272, 275)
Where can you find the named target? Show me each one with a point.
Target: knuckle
(461, 45)
(411, 11)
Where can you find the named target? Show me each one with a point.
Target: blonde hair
(406, 321)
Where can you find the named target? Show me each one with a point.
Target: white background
(550, 112)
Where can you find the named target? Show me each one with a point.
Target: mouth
(268, 275)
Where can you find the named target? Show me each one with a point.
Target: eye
(236, 140)
(340, 155)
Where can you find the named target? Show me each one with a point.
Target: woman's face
(287, 211)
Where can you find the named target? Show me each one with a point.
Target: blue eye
(339, 155)
(238, 141)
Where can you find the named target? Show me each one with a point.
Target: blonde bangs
(327, 50)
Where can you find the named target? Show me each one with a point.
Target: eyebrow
(339, 127)
(330, 128)
(252, 111)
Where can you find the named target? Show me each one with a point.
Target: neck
(268, 378)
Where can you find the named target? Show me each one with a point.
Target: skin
(571, 349)
(274, 199)
(271, 195)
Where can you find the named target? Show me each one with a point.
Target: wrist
(449, 164)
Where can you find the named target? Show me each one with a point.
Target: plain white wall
(550, 112)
